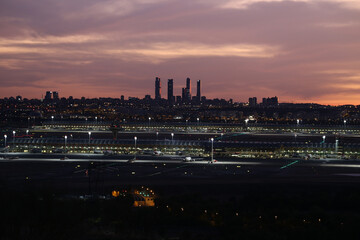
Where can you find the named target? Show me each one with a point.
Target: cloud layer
(299, 50)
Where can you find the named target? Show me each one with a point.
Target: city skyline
(305, 51)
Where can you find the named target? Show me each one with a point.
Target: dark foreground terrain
(71, 200)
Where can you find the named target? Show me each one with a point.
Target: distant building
(122, 98)
(157, 89)
(198, 91)
(48, 95)
(170, 91)
(183, 94)
(273, 101)
(178, 99)
(253, 102)
(188, 86)
(55, 95)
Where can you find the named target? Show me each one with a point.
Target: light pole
(52, 118)
(324, 145)
(157, 136)
(5, 137)
(197, 119)
(246, 122)
(297, 122)
(172, 136)
(212, 150)
(135, 138)
(149, 123)
(65, 139)
(222, 134)
(336, 147)
(344, 123)
(295, 136)
(95, 119)
(89, 136)
(13, 140)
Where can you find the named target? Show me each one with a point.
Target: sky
(298, 50)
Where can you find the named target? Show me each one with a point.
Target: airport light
(13, 137)
(324, 145)
(89, 136)
(336, 146)
(5, 137)
(212, 149)
(135, 138)
(65, 140)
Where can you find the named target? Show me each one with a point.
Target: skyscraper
(188, 86)
(198, 93)
(55, 95)
(48, 95)
(170, 90)
(157, 89)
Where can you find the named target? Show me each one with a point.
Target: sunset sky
(298, 50)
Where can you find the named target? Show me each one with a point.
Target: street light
(295, 136)
(344, 123)
(212, 150)
(246, 121)
(52, 118)
(135, 138)
(297, 122)
(13, 138)
(65, 139)
(172, 136)
(324, 145)
(5, 137)
(95, 119)
(157, 136)
(149, 123)
(27, 132)
(197, 119)
(89, 136)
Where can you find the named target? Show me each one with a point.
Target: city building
(48, 95)
(252, 102)
(157, 89)
(198, 91)
(170, 91)
(55, 95)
